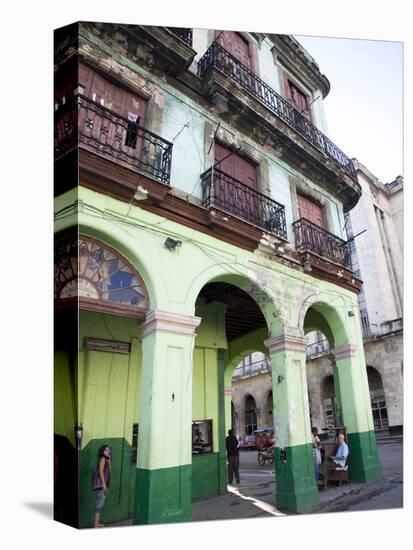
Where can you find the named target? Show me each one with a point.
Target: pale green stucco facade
(180, 364)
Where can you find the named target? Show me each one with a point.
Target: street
(255, 495)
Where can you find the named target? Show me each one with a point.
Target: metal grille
(218, 58)
(110, 134)
(312, 238)
(222, 191)
(183, 34)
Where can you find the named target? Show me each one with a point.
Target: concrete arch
(329, 314)
(263, 297)
(152, 278)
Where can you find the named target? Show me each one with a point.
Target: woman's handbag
(97, 484)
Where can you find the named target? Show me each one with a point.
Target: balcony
(220, 191)
(217, 62)
(105, 133)
(312, 238)
(183, 34)
(168, 49)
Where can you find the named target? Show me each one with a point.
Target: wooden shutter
(310, 210)
(236, 45)
(297, 97)
(236, 166)
(110, 95)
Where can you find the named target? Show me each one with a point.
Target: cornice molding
(164, 321)
(286, 342)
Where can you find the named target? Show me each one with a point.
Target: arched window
(98, 278)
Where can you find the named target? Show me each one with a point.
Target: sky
(364, 108)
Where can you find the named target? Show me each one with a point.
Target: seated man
(336, 460)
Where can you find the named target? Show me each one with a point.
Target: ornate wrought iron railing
(183, 34)
(222, 191)
(218, 58)
(109, 134)
(310, 237)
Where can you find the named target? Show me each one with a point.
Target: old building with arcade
(199, 217)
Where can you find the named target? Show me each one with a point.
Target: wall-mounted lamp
(350, 313)
(280, 378)
(171, 244)
(283, 456)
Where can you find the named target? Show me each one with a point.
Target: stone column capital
(286, 342)
(343, 352)
(169, 322)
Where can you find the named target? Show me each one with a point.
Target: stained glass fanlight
(95, 273)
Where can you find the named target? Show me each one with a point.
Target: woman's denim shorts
(100, 500)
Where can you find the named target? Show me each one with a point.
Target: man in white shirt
(335, 461)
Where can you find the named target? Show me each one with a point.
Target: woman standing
(101, 481)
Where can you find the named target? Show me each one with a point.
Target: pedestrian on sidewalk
(231, 443)
(101, 480)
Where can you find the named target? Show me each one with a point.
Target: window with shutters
(238, 183)
(310, 210)
(112, 96)
(297, 97)
(236, 45)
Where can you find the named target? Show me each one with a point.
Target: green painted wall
(108, 390)
(64, 397)
(169, 365)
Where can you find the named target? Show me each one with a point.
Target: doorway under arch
(377, 399)
(250, 415)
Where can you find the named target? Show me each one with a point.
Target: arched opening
(233, 326)
(377, 399)
(250, 415)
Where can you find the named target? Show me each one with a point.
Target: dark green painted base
(205, 475)
(118, 504)
(364, 464)
(163, 496)
(296, 485)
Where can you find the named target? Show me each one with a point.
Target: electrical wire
(221, 262)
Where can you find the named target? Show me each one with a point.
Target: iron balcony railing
(218, 58)
(253, 368)
(309, 237)
(111, 135)
(317, 348)
(225, 192)
(183, 34)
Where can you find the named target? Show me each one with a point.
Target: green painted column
(222, 423)
(352, 391)
(296, 489)
(164, 471)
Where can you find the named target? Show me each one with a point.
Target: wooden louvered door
(310, 210)
(316, 239)
(117, 136)
(236, 45)
(231, 188)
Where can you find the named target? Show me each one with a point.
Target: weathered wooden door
(113, 135)
(310, 210)
(235, 190)
(236, 45)
(317, 240)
